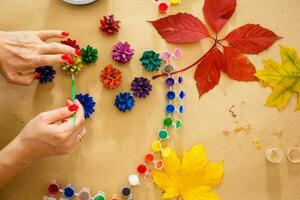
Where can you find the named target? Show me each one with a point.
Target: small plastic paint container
(115, 197)
(167, 69)
(274, 155)
(171, 95)
(149, 158)
(163, 8)
(167, 121)
(163, 134)
(141, 169)
(134, 180)
(293, 155)
(84, 194)
(156, 146)
(100, 196)
(126, 191)
(53, 188)
(69, 191)
(170, 81)
(170, 109)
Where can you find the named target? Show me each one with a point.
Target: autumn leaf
(284, 78)
(218, 12)
(181, 28)
(192, 178)
(208, 71)
(251, 38)
(238, 66)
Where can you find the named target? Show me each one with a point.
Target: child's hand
(23, 51)
(53, 132)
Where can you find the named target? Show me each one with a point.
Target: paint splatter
(243, 129)
(258, 143)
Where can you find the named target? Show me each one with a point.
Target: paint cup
(69, 191)
(274, 155)
(53, 188)
(100, 196)
(293, 155)
(84, 194)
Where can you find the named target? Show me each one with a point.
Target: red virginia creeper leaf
(238, 66)
(218, 12)
(181, 28)
(251, 38)
(208, 71)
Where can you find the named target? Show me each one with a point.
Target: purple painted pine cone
(141, 87)
(122, 52)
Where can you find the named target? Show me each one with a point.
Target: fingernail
(73, 107)
(65, 34)
(37, 75)
(71, 61)
(78, 52)
(65, 57)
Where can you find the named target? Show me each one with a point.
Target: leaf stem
(188, 67)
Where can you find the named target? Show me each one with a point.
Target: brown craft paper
(116, 143)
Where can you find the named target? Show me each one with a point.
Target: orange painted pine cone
(111, 77)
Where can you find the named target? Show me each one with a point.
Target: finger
(57, 48)
(43, 60)
(59, 114)
(22, 79)
(80, 111)
(69, 102)
(79, 115)
(69, 125)
(47, 34)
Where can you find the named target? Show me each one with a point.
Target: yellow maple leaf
(191, 179)
(283, 78)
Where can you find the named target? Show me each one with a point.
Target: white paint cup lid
(274, 155)
(293, 155)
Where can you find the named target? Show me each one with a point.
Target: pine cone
(73, 69)
(122, 52)
(45, 74)
(108, 25)
(124, 101)
(141, 87)
(89, 55)
(71, 43)
(151, 60)
(111, 77)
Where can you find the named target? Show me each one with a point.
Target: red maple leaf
(250, 39)
(218, 12)
(181, 28)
